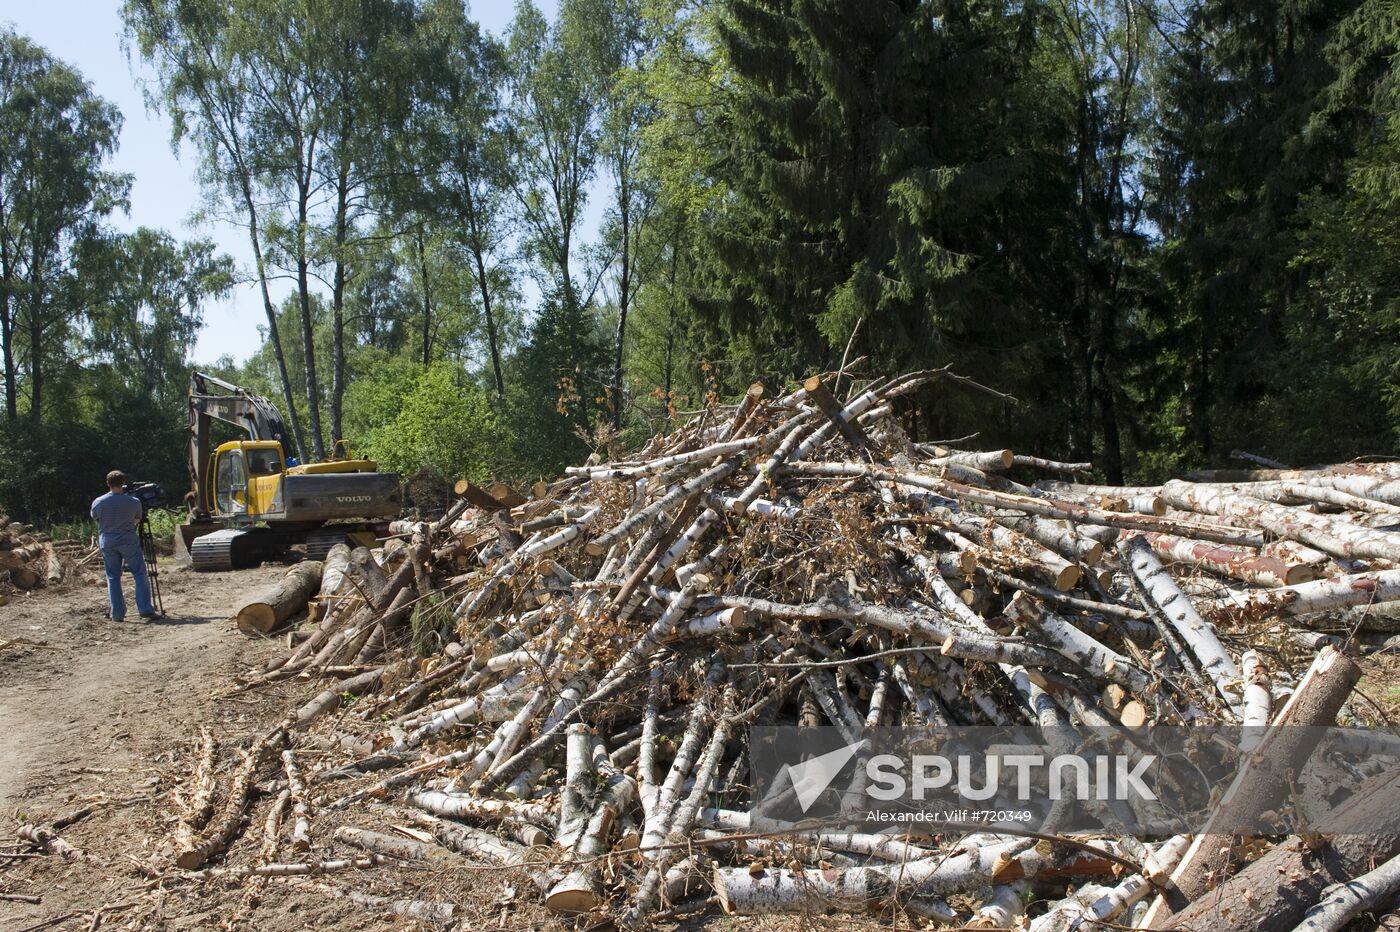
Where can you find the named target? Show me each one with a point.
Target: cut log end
(189, 860)
(1133, 714)
(1067, 578)
(257, 618)
(721, 888)
(1299, 573)
(573, 894)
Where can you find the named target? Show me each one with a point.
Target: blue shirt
(117, 515)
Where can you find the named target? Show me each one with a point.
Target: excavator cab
(247, 479)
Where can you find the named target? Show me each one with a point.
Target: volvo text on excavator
(250, 503)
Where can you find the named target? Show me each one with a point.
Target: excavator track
(231, 549)
(213, 553)
(320, 543)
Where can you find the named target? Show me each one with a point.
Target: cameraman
(118, 516)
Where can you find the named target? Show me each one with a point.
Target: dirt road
(90, 710)
(79, 692)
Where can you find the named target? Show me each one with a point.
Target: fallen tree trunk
(1234, 562)
(200, 807)
(222, 832)
(1161, 593)
(1306, 598)
(1275, 891)
(1332, 535)
(281, 601)
(1262, 783)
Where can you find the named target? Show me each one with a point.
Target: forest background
(1168, 227)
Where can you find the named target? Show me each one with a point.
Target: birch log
(1234, 562)
(1321, 595)
(275, 604)
(1161, 592)
(1344, 902)
(1045, 507)
(1332, 535)
(301, 825)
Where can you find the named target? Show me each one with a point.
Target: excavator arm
(213, 399)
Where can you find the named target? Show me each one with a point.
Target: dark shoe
(149, 616)
(123, 618)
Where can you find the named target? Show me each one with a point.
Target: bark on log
(1346, 901)
(222, 831)
(821, 396)
(1160, 592)
(333, 570)
(1306, 598)
(420, 910)
(581, 890)
(274, 605)
(747, 892)
(578, 775)
(1327, 533)
(301, 826)
(1045, 507)
(1261, 784)
(1234, 562)
(1056, 536)
(329, 700)
(1275, 891)
(458, 806)
(407, 849)
(45, 840)
(200, 807)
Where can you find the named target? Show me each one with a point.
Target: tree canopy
(1164, 227)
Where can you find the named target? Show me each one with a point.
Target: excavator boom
(253, 414)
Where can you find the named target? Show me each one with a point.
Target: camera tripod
(148, 550)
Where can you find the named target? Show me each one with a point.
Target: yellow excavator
(249, 502)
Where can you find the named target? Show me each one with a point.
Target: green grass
(163, 524)
(432, 622)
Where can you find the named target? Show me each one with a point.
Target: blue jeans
(112, 559)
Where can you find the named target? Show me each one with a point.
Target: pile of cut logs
(561, 685)
(28, 558)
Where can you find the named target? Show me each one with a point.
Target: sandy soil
(107, 715)
(95, 711)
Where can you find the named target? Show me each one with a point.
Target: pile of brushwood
(563, 685)
(29, 559)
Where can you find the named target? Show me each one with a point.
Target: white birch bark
(1161, 591)
(1322, 595)
(1332, 535)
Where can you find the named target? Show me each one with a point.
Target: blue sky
(164, 194)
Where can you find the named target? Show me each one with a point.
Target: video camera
(149, 494)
